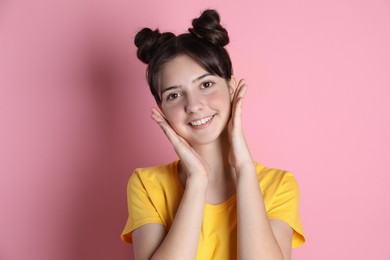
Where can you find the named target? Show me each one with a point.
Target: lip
(202, 125)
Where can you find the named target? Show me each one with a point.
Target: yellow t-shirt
(154, 195)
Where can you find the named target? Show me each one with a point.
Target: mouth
(201, 121)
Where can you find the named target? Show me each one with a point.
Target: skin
(215, 163)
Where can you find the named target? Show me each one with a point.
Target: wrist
(197, 181)
(245, 168)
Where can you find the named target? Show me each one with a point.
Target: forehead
(180, 70)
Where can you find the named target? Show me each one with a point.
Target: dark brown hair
(204, 43)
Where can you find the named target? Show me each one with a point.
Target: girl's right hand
(191, 162)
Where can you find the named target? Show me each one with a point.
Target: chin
(205, 140)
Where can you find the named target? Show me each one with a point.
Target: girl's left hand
(239, 154)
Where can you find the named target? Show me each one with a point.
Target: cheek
(220, 100)
(171, 113)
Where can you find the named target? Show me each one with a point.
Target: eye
(207, 84)
(173, 96)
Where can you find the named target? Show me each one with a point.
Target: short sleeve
(140, 207)
(285, 207)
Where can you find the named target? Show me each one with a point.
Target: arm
(258, 237)
(151, 241)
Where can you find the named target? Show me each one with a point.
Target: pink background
(74, 115)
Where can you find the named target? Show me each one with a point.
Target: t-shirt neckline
(208, 206)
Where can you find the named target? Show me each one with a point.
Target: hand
(239, 154)
(192, 163)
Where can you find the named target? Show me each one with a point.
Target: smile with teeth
(201, 121)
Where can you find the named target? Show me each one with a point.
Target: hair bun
(208, 27)
(148, 41)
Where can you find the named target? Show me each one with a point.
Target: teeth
(201, 122)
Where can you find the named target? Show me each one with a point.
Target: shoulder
(158, 169)
(272, 175)
(154, 174)
(281, 197)
(154, 179)
(274, 181)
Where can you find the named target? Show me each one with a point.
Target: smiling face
(195, 102)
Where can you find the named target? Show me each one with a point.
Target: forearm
(182, 240)
(255, 237)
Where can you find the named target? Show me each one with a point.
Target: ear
(232, 84)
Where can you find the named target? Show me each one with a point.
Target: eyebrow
(193, 81)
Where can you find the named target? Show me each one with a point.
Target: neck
(216, 154)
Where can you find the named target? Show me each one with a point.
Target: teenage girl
(215, 201)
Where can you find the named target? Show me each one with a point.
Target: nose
(194, 103)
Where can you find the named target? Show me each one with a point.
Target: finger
(180, 145)
(238, 98)
(241, 89)
(239, 86)
(241, 82)
(159, 118)
(238, 94)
